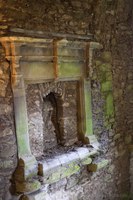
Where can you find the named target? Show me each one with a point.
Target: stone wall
(111, 23)
(131, 173)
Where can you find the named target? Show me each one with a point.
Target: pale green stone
(86, 161)
(102, 164)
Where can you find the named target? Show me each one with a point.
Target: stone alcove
(53, 67)
(52, 115)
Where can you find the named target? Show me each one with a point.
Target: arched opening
(52, 113)
(53, 117)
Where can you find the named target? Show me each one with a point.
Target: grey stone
(6, 132)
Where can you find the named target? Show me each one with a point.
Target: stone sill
(61, 166)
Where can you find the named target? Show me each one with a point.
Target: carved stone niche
(52, 104)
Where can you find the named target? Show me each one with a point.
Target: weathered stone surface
(65, 165)
(111, 22)
(27, 187)
(6, 132)
(46, 130)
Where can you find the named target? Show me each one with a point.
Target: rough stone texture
(8, 148)
(52, 114)
(131, 173)
(111, 22)
(35, 118)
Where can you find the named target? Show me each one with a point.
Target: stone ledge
(52, 170)
(61, 166)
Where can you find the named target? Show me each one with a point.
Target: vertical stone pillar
(86, 125)
(21, 120)
(27, 164)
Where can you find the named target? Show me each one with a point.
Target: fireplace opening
(52, 113)
(53, 117)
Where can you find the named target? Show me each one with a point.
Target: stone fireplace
(54, 127)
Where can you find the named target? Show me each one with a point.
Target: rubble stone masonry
(111, 22)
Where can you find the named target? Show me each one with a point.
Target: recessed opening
(53, 117)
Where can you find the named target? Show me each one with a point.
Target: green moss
(54, 177)
(102, 164)
(102, 76)
(105, 77)
(69, 170)
(109, 107)
(62, 172)
(106, 86)
(98, 63)
(109, 76)
(72, 69)
(86, 161)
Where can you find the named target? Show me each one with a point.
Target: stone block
(82, 152)
(86, 161)
(64, 159)
(72, 182)
(5, 109)
(37, 196)
(92, 167)
(101, 164)
(53, 163)
(6, 132)
(6, 164)
(28, 186)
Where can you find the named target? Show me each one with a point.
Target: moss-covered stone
(88, 109)
(54, 177)
(103, 163)
(69, 170)
(106, 56)
(109, 107)
(71, 69)
(103, 66)
(86, 161)
(106, 86)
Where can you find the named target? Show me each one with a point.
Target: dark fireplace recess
(53, 117)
